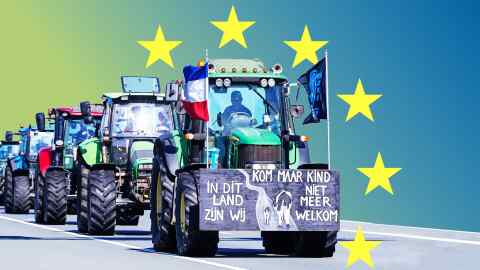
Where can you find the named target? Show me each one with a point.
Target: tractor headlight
(219, 82)
(263, 82)
(227, 82)
(271, 82)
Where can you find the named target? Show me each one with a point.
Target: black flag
(314, 82)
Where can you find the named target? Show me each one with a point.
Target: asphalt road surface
(26, 245)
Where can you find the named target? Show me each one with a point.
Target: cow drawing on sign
(283, 205)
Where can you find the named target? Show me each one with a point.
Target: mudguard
(18, 163)
(103, 166)
(303, 153)
(90, 152)
(45, 157)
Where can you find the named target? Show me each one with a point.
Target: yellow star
(359, 102)
(360, 249)
(306, 48)
(379, 175)
(159, 48)
(232, 29)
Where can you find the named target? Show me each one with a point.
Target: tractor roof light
(271, 82)
(59, 143)
(263, 82)
(255, 70)
(244, 70)
(211, 67)
(227, 82)
(219, 82)
(277, 69)
(234, 70)
(223, 70)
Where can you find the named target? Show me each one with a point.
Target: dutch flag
(194, 96)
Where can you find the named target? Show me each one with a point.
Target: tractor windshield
(77, 131)
(141, 120)
(39, 140)
(243, 105)
(8, 151)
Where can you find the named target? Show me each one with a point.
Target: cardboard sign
(269, 200)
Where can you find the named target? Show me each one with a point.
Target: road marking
(119, 244)
(419, 237)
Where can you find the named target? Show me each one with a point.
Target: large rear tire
(8, 193)
(2, 189)
(55, 197)
(102, 195)
(39, 189)
(190, 240)
(82, 198)
(161, 205)
(17, 194)
(315, 244)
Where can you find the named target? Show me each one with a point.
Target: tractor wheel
(55, 197)
(315, 244)
(17, 194)
(277, 242)
(2, 189)
(82, 198)
(39, 189)
(102, 195)
(161, 205)
(127, 220)
(190, 240)
(8, 191)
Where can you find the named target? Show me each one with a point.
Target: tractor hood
(141, 152)
(249, 135)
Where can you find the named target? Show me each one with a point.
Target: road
(25, 245)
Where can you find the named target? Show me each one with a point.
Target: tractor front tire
(277, 242)
(161, 205)
(39, 189)
(17, 193)
(55, 197)
(315, 244)
(102, 195)
(190, 240)
(127, 219)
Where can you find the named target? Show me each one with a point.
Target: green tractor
(55, 190)
(115, 178)
(245, 169)
(8, 149)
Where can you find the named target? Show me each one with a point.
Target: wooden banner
(269, 200)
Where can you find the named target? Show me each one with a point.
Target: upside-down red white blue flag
(194, 97)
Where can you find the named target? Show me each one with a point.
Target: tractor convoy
(242, 168)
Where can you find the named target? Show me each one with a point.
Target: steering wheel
(239, 119)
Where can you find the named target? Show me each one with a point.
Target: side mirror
(296, 110)
(8, 136)
(219, 119)
(40, 119)
(85, 108)
(171, 91)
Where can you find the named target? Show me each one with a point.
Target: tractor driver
(236, 107)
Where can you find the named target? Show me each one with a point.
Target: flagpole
(206, 96)
(328, 110)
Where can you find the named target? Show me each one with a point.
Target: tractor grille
(251, 154)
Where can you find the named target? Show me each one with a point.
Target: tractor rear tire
(190, 240)
(127, 220)
(2, 189)
(277, 242)
(8, 191)
(39, 189)
(161, 205)
(55, 197)
(82, 198)
(17, 194)
(102, 195)
(315, 244)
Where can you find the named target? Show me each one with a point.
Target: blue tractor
(22, 169)
(8, 149)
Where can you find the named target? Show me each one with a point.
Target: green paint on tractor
(248, 135)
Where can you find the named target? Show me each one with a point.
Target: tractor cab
(32, 140)
(8, 149)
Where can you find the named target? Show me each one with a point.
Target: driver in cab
(236, 107)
